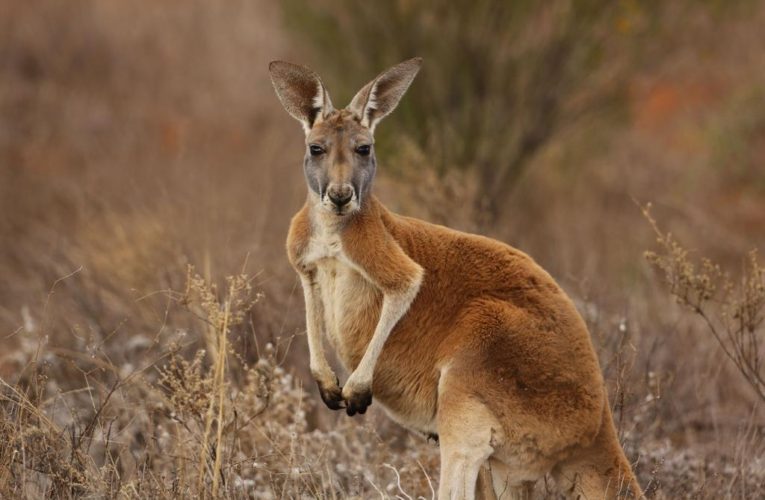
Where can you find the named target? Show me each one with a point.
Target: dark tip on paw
(358, 403)
(332, 396)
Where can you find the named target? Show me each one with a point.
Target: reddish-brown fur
(490, 354)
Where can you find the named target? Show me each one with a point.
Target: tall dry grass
(136, 139)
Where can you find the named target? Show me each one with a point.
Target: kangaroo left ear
(301, 92)
(381, 96)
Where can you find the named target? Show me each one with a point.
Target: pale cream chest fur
(348, 298)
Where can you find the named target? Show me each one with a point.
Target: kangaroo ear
(381, 96)
(301, 92)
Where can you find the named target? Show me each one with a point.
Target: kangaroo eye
(364, 150)
(316, 150)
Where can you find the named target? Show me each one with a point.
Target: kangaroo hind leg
(468, 433)
(500, 485)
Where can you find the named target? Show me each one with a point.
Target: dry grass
(138, 139)
(190, 422)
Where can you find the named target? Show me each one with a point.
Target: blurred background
(139, 138)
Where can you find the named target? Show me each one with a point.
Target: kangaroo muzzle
(340, 195)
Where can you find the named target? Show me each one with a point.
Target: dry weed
(732, 311)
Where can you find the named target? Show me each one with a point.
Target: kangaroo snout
(340, 194)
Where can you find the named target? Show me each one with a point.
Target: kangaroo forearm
(314, 308)
(394, 306)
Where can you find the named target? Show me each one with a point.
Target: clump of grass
(221, 314)
(30, 439)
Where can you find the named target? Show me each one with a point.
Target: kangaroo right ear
(381, 96)
(301, 92)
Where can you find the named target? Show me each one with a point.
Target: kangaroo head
(339, 162)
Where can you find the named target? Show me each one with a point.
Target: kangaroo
(457, 336)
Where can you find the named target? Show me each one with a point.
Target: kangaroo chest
(351, 309)
(350, 303)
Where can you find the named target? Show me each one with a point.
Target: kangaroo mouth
(342, 211)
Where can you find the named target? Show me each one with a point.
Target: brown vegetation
(138, 138)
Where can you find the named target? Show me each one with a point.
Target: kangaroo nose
(340, 195)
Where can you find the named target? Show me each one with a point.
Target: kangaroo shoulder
(371, 245)
(299, 237)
